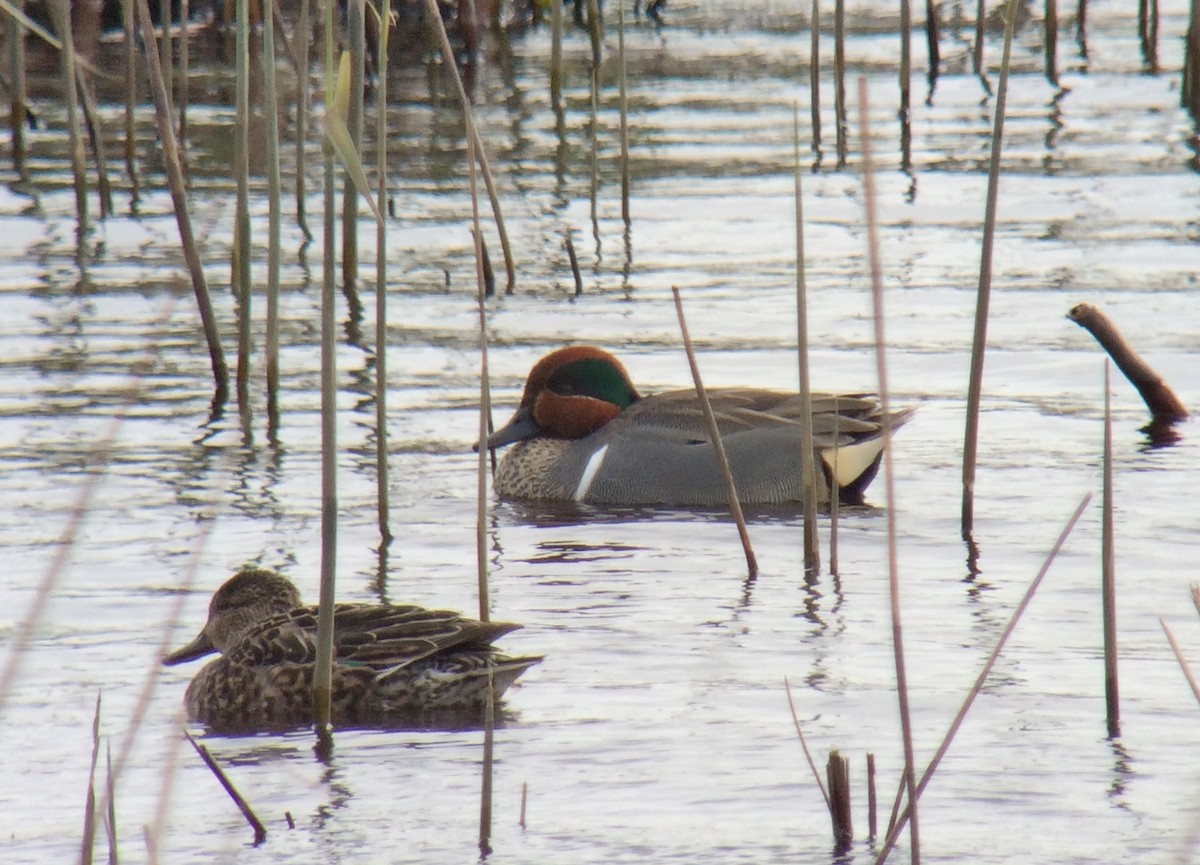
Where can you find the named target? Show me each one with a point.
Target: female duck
(390, 662)
(583, 433)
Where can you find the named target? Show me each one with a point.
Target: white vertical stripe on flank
(589, 473)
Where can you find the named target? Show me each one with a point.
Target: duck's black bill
(197, 648)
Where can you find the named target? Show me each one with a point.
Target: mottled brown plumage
(392, 664)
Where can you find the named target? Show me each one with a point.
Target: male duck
(389, 662)
(583, 433)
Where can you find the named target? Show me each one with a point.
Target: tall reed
(17, 115)
(129, 21)
(889, 482)
(60, 11)
(241, 235)
(624, 109)
(814, 74)
(1108, 573)
(301, 33)
(984, 290)
(356, 40)
(808, 472)
(382, 473)
(274, 220)
(323, 672)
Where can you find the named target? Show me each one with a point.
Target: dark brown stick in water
(1164, 405)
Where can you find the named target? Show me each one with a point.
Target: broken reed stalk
(1183, 664)
(17, 114)
(839, 80)
(356, 38)
(905, 58)
(932, 37)
(485, 791)
(735, 506)
(524, 800)
(323, 669)
(808, 469)
(984, 290)
(60, 11)
(485, 398)
(624, 110)
(241, 233)
(1051, 40)
(184, 92)
(574, 259)
(432, 14)
(1165, 407)
(274, 218)
(110, 814)
(174, 171)
(814, 74)
(838, 772)
(260, 831)
(95, 129)
(556, 60)
(87, 845)
(1108, 575)
(872, 800)
(382, 473)
(301, 33)
(804, 746)
(886, 431)
(898, 824)
(129, 22)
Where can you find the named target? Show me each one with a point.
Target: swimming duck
(390, 662)
(583, 433)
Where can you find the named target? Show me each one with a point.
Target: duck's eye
(565, 388)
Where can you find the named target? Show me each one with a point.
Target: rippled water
(658, 726)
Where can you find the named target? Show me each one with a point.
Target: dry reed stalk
(165, 47)
(873, 256)
(872, 801)
(977, 47)
(174, 171)
(905, 60)
(1148, 33)
(932, 37)
(110, 814)
(356, 39)
(556, 61)
(984, 290)
(274, 219)
(302, 32)
(735, 506)
(804, 746)
(624, 110)
(1196, 596)
(574, 259)
(31, 618)
(808, 472)
(241, 235)
(1165, 407)
(60, 11)
(185, 55)
(18, 104)
(95, 130)
(1108, 574)
(323, 668)
(129, 22)
(835, 499)
(524, 800)
(382, 473)
(839, 80)
(1051, 37)
(433, 15)
(897, 823)
(1183, 664)
(485, 396)
(87, 845)
(814, 74)
(260, 831)
(838, 772)
(485, 791)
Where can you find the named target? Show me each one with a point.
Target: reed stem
(812, 765)
(808, 471)
(60, 11)
(814, 74)
(356, 37)
(383, 474)
(886, 435)
(984, 291)
(1108, 574)
(714, 434)
(241, 252)
(624, 109)
(18, 114)
(485, 401)
(274, 219)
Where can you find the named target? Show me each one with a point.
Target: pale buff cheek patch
(589, 473)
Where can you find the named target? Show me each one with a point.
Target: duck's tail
(851, 467)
